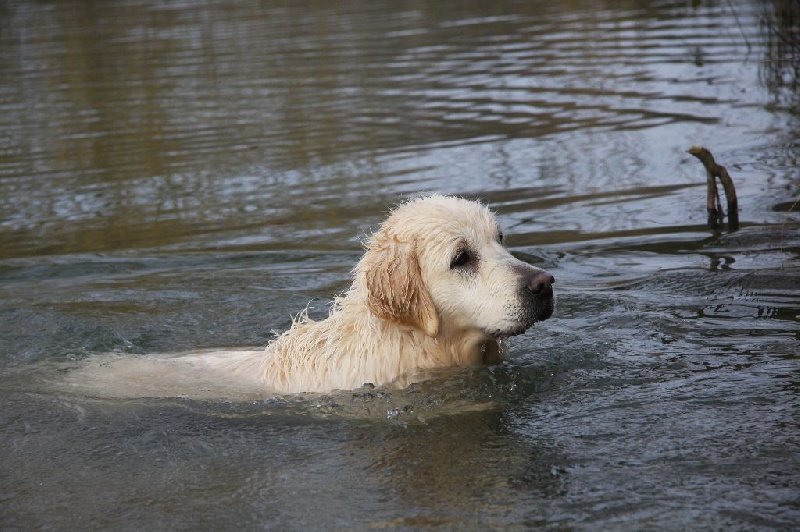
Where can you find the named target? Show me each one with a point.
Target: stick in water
(713, 203)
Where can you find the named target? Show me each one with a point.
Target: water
(188, 176)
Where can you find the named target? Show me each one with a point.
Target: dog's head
(439, 263)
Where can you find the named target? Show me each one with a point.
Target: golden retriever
(435, 288)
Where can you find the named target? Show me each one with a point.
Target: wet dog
(435, 288)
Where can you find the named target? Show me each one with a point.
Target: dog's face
(439, 263)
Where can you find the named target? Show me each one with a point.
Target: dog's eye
(462, 258)
(500, 237)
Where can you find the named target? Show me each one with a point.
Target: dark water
(179, 176)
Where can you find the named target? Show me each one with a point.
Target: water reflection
(781, 67)
(134, 127)
(463, 458)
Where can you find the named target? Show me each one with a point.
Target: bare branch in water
(713, 203)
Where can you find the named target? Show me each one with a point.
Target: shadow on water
(181, 177)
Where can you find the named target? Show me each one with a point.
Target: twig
(713, 203)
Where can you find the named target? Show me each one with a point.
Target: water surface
(189, 176)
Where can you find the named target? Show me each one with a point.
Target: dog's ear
(396, 291)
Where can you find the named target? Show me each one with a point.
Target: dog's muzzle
(535, 300)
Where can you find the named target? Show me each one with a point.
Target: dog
(435, 288)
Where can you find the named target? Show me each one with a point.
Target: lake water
(178, 176)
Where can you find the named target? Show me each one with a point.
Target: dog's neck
(470, 348)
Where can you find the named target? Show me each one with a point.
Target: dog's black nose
(541, 284)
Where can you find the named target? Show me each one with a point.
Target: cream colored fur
(408, 309)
